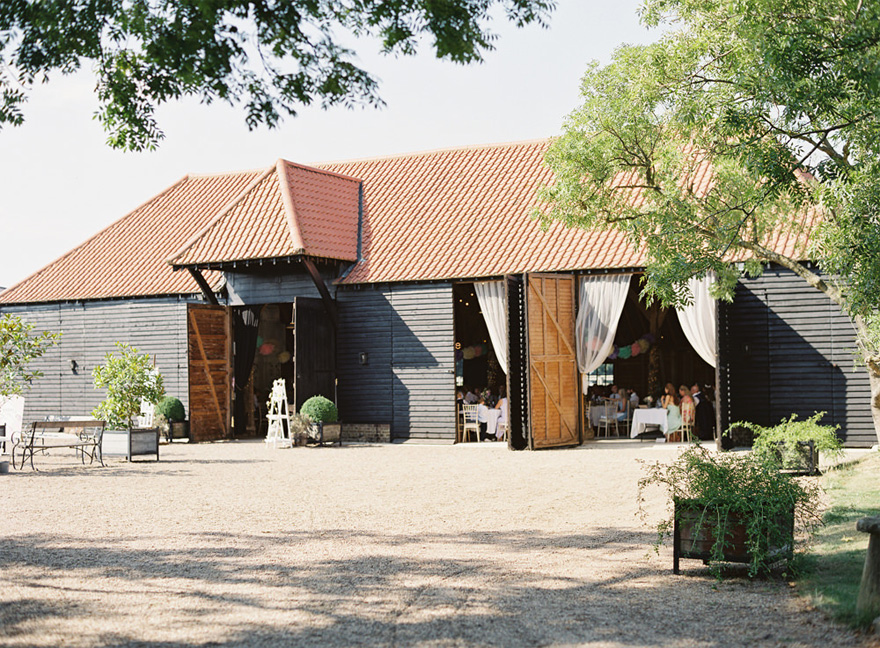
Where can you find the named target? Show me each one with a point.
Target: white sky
(61, 183)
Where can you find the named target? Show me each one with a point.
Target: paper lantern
(284, 356)
(266, 349)
(624, 353)
(468, 353)
(634, 350)
(478, 351)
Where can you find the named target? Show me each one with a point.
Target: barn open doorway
(476, 363)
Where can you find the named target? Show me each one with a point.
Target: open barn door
(552, 360)
(314, 358)
(209, 338)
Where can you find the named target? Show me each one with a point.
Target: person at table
(704, 420)
(472, 396)
(622, 405)
(673, 412)
(501, 405)
(686, 405)
(615, 394)
(633, 399)
(695, 393)
(483, 420)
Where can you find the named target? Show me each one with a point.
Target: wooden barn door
(553, 376)
(314, 358)
(210, 365)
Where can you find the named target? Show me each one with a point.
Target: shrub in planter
(128, 378)
(319, 409)
(172, 409)
(788, 444)
(720, 499)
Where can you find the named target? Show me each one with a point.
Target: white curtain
(493, 303)
(601, 302)
(698, 320)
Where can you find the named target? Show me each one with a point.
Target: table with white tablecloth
(648, 416)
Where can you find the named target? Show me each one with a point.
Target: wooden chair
(609, 418)
(467, 422)
(687, 421)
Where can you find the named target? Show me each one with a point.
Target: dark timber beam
(329, 304)
(203, 285)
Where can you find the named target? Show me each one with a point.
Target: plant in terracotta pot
(321, 411)
(795, 445)
(731, 507)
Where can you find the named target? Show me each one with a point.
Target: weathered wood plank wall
(787, 348)
(408, 380)
(90, 329)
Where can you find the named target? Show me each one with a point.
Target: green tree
(129, 378)
(272, 56)
(18, 348)
(778, 100)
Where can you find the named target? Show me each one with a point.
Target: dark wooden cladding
(90, 329)
(210, 364)
(406, 377)
(553, 382)
(517, 364)
(786, 348)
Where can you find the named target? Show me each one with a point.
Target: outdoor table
(492, 422)
(643, 417)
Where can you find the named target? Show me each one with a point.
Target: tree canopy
(778, 101)
(19, 346)
(272, 56)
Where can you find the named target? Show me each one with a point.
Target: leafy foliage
(270, 56)
(790, 432)
(728, 485)
(19, 346)
(696, 146)
(172, 409)
(128, 378)
(319, 409)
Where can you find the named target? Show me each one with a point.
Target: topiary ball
(320, 410)
(172, 409)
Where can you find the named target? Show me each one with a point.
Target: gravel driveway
(233, 544)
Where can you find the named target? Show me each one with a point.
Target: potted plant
(731, 507)
(172, 410)
(795, 445)
(129, 378)
(323, 419)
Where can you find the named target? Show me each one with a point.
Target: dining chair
(687, 421)
(609, 419)
(468, 423)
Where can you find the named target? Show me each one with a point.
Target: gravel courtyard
(233, 544)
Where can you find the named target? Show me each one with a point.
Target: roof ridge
(222, 174)
(425, 153)
(221, 214)
(165, 191)
(307, 167)
(293, 227)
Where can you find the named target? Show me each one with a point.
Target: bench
(83, 436)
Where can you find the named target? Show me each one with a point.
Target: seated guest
(695, 390)
(704, 421)
(502, 419)
(472, 396)
(483, 420)
(622, 403)
(614, 392)
(633, 398)
(687, 405)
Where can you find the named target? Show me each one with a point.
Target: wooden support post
(203, 286)
(329, 304)
(868, 603)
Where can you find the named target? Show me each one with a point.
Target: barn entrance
(294, 341)
(476, 363)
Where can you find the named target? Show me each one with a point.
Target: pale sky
(61, 183)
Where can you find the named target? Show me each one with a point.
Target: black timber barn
(361, 265)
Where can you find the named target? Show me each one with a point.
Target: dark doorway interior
(475, 363)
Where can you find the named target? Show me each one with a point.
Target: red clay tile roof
(466, 213)
(291, 210)
(458, 213)
(127, 258)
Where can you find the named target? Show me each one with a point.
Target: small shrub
(172, 409)
(790, 432)
(320, 410)
(128, 378)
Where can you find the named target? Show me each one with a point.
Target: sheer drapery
(601, 302)
(493, 302)
(698, 320)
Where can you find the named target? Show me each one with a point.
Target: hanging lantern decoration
(632, 350)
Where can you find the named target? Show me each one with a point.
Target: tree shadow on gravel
(473, 589)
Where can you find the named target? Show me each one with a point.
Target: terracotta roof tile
(127, 258)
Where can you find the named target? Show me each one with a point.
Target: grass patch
(833, 566)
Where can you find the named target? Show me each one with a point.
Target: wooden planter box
(803, 461)
(143, 441)
(326, 433)
(694, 533)
(178, 430)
